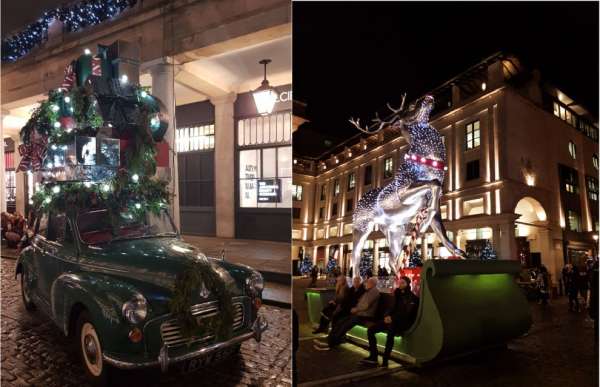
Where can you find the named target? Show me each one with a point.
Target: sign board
(269, 190)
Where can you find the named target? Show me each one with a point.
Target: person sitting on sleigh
(398, 318)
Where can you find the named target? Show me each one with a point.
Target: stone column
(424, 246)
(507, 246)
(224, 165)
(20, 177)
(3, 165)
(375, 268)
(163, 78)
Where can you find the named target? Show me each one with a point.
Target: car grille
(171, 332)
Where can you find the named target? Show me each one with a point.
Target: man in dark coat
(396, 320)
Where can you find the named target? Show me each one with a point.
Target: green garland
(188, 282)
(81, 106)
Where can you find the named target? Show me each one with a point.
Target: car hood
(152, 261)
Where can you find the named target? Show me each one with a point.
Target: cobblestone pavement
(559, 351)
(35, 353)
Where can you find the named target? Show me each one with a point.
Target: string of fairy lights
(74, 18)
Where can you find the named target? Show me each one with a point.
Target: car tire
(90, 351)
(25, 294)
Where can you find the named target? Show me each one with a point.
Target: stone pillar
(546, 250)
(424, 246)
(507, 246)
(21, 195)
(496, 237)
(163, 78)
(375, 268)
(2, 166)
(225, 165)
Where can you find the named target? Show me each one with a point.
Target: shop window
(595, 161)
(271, 164)
(574, 221)
(196, 179)
(333, 232)
(388, 168)
(196, 138)
(473, 207)
(272, 129)
(351, 181)
(336, 187)
(572, 150)
(592, 186)
(323, 192)
(444, 212)
(348, 229)
(334, 210)
(472, 135)
(472, 170)
(297, 192)
(296, 234)
(349, 205)
(368, 174)
(296, 212)
(564, 114)
(320, 233)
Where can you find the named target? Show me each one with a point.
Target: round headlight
(135, 310)
(255, 282)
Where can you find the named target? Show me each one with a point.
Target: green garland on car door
(201, 273)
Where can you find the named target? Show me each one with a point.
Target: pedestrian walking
(542, 285)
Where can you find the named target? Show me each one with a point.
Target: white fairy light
(55, 108)
(56, 189)
(124, 78)
(87, 51)
(138, 206)
(67, 99)
(135, 177)
(56, 124)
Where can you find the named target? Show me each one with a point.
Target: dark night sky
(350, 58)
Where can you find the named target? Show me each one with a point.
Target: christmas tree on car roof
(96, 140)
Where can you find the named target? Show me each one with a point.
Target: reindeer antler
(378, 122)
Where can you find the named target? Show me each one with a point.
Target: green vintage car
(110, 290)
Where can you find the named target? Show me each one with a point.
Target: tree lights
(74, 18)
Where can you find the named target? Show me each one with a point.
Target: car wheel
(90, 351)
(26, 292)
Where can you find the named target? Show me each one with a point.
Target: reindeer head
(419, 111)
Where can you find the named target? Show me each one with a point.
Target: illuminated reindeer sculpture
(407, 206)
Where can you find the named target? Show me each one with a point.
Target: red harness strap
(436, 164)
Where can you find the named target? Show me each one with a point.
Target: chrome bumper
(164, 360)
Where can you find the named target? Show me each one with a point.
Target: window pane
(259, 130)
(476, 125)
(287, 126)
(284, 161)
(269, 167)
(266, 127)
(246, 132)
(273, 128)
(253, 131)
(286, 193)
(279, 127)
(247, 193)
(249, 164)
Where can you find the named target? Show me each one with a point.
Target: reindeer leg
(440, 231)
(434, 206)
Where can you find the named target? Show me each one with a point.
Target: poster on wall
(269, 190)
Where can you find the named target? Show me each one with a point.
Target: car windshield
(95, 227)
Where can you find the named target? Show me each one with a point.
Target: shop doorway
(197, 192)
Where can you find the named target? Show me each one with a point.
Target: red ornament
(67, 123)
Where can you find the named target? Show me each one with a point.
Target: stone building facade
(522, 173)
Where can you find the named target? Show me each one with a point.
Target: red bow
(33, 154)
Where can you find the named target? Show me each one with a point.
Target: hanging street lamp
(265, 96)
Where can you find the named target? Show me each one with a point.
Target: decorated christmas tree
(415, 259)
(331, 265)
(488, 252)
(306, 265)
(366, 263)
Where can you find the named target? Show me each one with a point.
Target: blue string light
(74, 18)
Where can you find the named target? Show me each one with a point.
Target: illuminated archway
(531, 210)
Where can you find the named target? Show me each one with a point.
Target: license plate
(195, 364)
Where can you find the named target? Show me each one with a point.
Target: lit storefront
(264, 168)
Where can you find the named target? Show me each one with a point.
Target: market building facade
(202, 60)
(522, 173)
